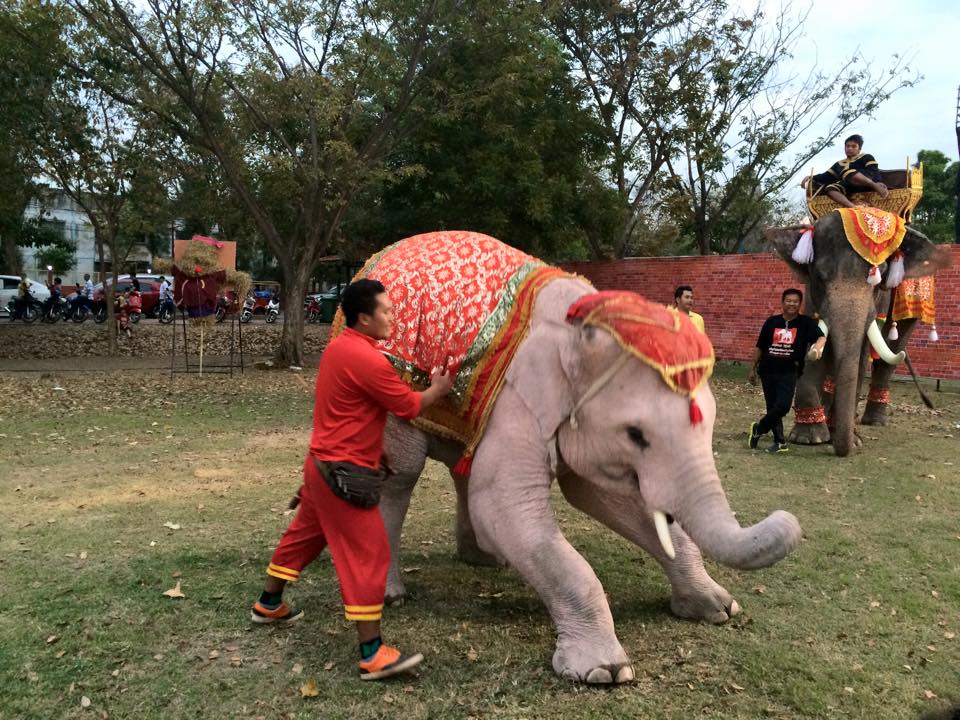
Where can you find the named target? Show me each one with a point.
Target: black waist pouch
(356, 484)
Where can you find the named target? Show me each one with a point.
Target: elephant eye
(636, 436)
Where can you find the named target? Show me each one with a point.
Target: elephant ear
(538, 374)
(784, 241)
(920, 256)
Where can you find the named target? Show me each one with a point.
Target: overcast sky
(928, 31)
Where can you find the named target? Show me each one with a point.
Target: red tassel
(696, 416)
(463, 466)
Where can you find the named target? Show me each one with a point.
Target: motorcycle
(273, 310)
(312, 311)
(246, 313)
(83, 309)
(32, 310)
(55, 310)
(224, 304)
(167, 311)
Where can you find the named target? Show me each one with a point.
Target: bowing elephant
(605, 393)
(838, 292)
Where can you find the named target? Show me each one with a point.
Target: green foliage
(29, 42)
(497, 142)
(60, 257)
(935, 213)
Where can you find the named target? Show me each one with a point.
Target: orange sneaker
(387, 661)
(281, 615)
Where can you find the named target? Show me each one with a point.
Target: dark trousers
(778, 392)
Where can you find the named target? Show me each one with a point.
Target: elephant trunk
(707, 519)
(848, 329)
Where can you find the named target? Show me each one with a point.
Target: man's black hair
(360, 297)
(678, 293)
(791, 291)
(858, 139)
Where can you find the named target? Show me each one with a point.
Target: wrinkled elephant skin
(837, 291)
(602, 470)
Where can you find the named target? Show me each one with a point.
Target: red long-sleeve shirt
(356, 388)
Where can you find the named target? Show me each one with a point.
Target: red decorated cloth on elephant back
(660, 337)
(915, 299)
(873, 233)
(460, 298)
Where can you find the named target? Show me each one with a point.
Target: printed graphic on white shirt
(783, 342)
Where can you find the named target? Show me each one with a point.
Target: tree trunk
(106, 278)
(290, 350)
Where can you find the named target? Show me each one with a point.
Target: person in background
(683, 301)
(778, 360)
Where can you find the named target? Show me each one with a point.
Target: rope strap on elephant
(463, 300)
(810, 415)
(660, 337)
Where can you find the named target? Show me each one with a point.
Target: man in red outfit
(356, 388)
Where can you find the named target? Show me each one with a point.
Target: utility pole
(956, 188)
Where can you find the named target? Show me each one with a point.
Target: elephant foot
(874, 413)
(716, 606)
(813, 434)
(582, 661)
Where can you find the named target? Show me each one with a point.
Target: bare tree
(297, 102)
(744, 114)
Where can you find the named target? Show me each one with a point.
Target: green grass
(859, 622)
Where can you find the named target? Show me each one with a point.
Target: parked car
(8, 291)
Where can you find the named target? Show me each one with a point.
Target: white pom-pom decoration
(803, 252)
(873, 277)
(894, 335)
(895, 273)
(934, 337)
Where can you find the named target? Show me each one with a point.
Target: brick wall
(734, 311)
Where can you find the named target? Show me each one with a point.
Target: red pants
(357, 540)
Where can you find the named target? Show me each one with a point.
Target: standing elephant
(838, 292)
(624, 432)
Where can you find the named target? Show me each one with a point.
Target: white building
(58, 206)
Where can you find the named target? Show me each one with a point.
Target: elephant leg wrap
(879, 395)
(809, 415)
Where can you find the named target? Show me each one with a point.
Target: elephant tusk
(878, 344)
(663, 533)
(823, 327)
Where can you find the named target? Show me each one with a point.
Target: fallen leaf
(32, 676)
(158, 656)
(297, 669)
(83, 555)
(874, 603)
(309, 688)
(52, 639)
(85, 702)
(472, 655)
(411, 569)
(116, 673)
(213, 654)
(328, 665)
(949, 635)
(236, 661)
(175, 592)
(171, 525)
(176, 574)
(848, 690)
(929, 694)
(60, 653)
(737, 687)
(760, 589)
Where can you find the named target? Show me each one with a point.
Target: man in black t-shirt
(778, 359)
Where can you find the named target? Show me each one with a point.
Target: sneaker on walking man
(356, 388)
(778, 360)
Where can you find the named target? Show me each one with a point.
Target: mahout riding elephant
(838, 292)
(629, 443)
